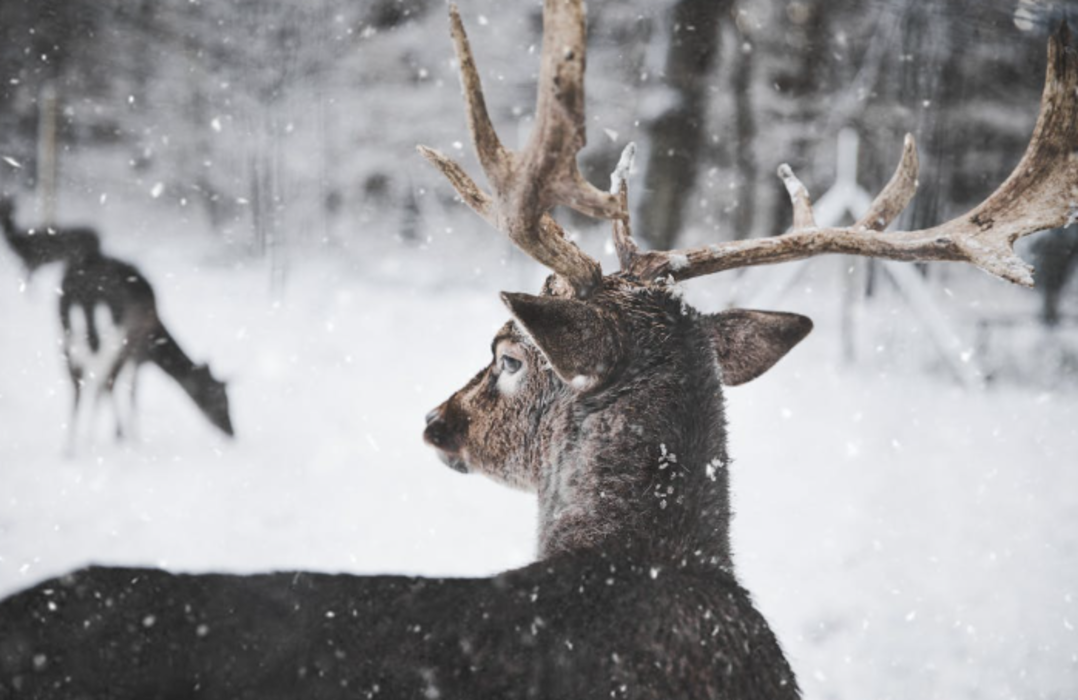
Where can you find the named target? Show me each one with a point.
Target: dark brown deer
(111, 327)
(38, 247)
(604, 395)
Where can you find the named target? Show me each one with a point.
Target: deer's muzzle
(444, 436)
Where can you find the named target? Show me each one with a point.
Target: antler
(528, 183)
(1041, 193)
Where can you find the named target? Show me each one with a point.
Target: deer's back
(100, 284)
(101, 279)
(569, 629)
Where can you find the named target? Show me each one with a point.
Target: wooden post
(47, 157)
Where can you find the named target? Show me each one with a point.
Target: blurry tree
(801, 82)
(1056, 252)
(676, 134)
(233, 71)
(42, 46)
(745, 132)
(1055, 255)
(281, 119)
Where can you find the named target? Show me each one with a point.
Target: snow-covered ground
(906, 538)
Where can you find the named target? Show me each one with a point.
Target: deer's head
(211, 396)
(560, 359)
(593, 381)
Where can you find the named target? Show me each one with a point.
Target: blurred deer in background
(604, 396)
(110, 328)
(38, 247)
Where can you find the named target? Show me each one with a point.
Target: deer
(604, 397)
(111, 326)
(39, 247)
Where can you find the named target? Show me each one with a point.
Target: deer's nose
(438, 433)
(442, 434)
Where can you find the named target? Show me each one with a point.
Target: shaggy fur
(634, 594)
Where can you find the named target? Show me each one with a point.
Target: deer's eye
(510, 365)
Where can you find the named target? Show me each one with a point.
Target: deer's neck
(7, 224)
(166, 353)
(15, 237)
(643, 470)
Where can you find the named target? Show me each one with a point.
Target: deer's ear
(575, 339)
(748, 343)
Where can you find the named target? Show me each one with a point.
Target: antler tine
(527, 184)
(898, 192)
(889, 203)
(1041, 193)
(560, 130)
(477, 199)
(799, 198)
(493, 157)
(624, 244)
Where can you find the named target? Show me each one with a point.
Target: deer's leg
(93, 419)
(132, 403)
(111, 356)
(75, 373)
(95, 349)
(79, 353)
(89, 391)
(109, 388)
(72, 372)
(122, 385)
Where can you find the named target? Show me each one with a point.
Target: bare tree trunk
(259, 183)
(928, 84)
(676, 136)
(745, 147)
(278, 232)
(1056, 258)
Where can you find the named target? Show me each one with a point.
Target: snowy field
(905, 537)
